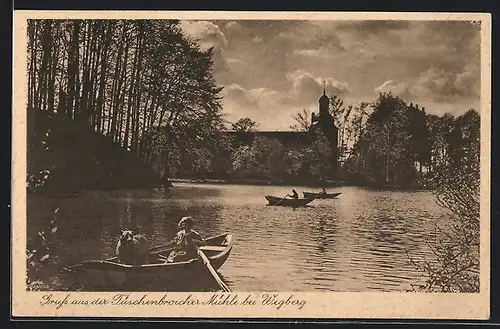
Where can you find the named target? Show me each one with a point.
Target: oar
(160, 247)
(206, 261)
(155, 249)
(74, 267)
(281, 199)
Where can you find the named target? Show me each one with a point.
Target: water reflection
(357, 242)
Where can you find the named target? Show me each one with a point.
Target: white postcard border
(318, 305)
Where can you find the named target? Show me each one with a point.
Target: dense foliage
(142, 83)
(386, 143)
(455, 180)
(38, 254)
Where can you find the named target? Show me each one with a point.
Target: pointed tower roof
(324, 97)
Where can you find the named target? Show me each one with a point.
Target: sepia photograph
(226, 154)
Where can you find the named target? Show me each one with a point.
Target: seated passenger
(185, 241)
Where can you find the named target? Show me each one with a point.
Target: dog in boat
(132, 249)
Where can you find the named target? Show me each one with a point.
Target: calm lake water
(354, 243)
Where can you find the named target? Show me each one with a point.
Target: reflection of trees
(384, 230)
(161, 222)
(385, 225)
(125, 215)
(387, 232)
(322, 239)
(207, 219)
(324, 232)
(82, 230)
(325, 259)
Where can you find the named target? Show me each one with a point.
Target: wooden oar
(166, 246)
(154, 249)
(281, 200)
(74, 267)
(207, 263)
(160, 247)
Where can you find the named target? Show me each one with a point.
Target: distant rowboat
(277, 201)
(321, 195)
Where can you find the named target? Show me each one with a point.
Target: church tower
(326, 124)
(324, 102)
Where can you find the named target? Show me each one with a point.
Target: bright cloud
(272, 69)
(306, 88)
(266, 105)
(208, 34)
(437, 85)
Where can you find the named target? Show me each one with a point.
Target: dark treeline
(271, 160)
(386, 143)
(123, 79)
(402, 145)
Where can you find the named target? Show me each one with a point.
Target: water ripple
(357, 242)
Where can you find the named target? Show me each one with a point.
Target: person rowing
(323, 191)
(294, 195)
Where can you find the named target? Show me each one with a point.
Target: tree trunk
(95, 50)
(112, 125)
(41, 99)
(133, 89)
(87, 69)
(72, 69)
(55, 61)
(101, 98)
(31, 63)
(122, 86)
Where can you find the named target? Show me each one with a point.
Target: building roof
(323, 97)
(285, 137)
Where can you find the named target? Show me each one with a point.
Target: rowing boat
(277, 201)
(321, 195)
(111, 274)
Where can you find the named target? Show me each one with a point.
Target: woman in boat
(185, 241)
(294, 195)
(324, 191)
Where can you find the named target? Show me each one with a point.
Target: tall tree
(244, 124)
(128, 80)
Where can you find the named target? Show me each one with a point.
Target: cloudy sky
(272, 69)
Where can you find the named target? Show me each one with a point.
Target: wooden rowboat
(321, 195)
(111, 274)
(277, 201)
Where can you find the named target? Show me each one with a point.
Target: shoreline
(251, 182)
(242, 182)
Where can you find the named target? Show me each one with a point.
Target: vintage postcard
(251, 164)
